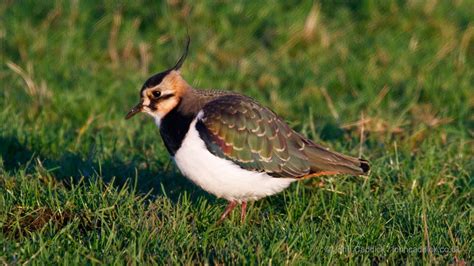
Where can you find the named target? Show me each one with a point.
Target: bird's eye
(156, 94)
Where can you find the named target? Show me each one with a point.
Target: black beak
(135, 110)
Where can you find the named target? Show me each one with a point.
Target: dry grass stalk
(330, 103)
(38, 92)
(113, 51)
(374, 125)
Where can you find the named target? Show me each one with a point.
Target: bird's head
(162, 92)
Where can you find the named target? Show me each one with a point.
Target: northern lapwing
(229, 144)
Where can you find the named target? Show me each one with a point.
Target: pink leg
(244, 210)
(227, 211)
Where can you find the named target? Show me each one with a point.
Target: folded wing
(237, 128)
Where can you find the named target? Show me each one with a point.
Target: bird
(230, 145)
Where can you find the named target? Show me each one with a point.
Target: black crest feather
(184, 55)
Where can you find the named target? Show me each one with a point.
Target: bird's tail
(326, 161)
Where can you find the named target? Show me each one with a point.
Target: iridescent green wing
(236, 128)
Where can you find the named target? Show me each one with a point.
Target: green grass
(79, 184)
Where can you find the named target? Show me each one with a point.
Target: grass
(389, 80)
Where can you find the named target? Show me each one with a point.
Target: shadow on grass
(72, 167)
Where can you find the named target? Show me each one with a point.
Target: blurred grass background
(391, 81)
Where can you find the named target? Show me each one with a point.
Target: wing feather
(237, 128)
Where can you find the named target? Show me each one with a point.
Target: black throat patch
(173, 129)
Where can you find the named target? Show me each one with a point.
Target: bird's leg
(227, 211)
(244, 209)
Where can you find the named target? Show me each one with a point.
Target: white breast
(221, 177)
